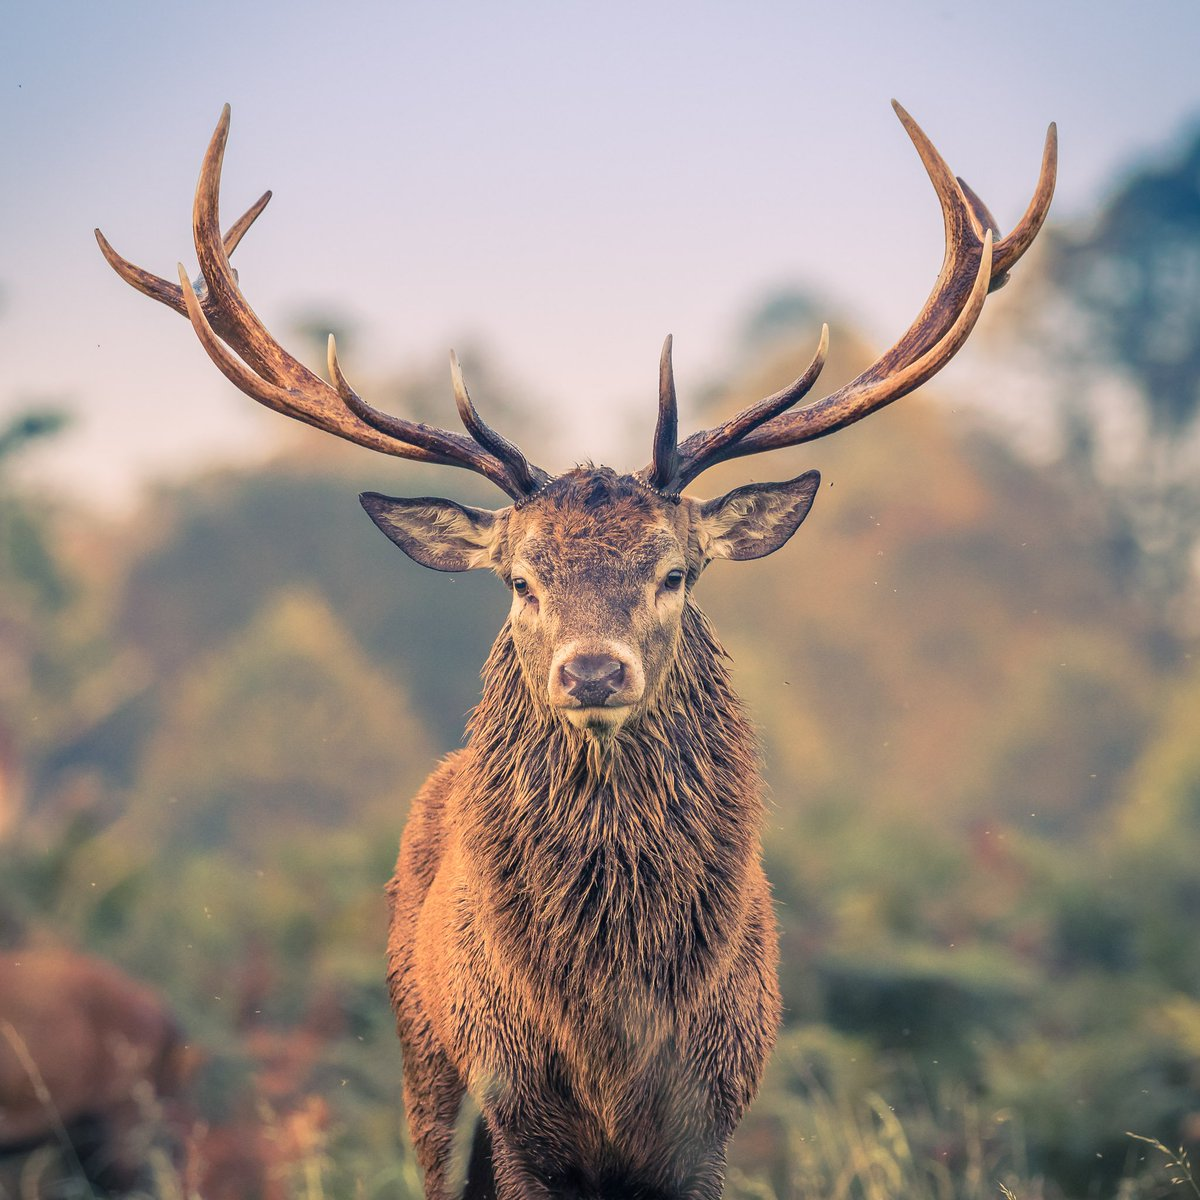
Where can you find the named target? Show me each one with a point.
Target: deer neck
(628, 855)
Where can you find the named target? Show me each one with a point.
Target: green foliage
(1132, 273)
(286, 723)
(285, 530)
(1109, 332)
(29, 427)
(1164, 798)
(983, 831)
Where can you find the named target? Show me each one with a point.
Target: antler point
(338, 379)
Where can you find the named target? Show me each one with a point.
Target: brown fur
(581, 932)
(573, 938)
(85, 1052)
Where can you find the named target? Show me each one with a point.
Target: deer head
(601, 566)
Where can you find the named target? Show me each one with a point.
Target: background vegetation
(977, 681)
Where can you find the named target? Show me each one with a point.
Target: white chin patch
(598, 721)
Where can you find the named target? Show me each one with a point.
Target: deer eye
(521, 587)
(673, 581)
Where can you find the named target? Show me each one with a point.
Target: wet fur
(582, 935)
(89, 1053)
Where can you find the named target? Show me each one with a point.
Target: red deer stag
(88, 1057)
(581, 932)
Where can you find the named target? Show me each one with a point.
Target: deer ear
(756, 520)
(437, 533)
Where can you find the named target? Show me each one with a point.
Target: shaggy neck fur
(615, 863)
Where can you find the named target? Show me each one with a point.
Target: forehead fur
(595, 512)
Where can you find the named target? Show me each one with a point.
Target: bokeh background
(975, 669)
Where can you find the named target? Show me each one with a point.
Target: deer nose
(592, 678)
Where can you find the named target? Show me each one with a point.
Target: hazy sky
(561, 183)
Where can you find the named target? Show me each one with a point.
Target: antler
(973, 266)
(246, 353)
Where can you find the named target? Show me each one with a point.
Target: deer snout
(592, 678)
(604, 676)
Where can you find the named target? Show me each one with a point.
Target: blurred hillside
(928, 645)
(980, 734)
(984, 822)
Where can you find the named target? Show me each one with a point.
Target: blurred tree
(1043, 765)
(905, 654)
(64, 677)
(939, 647)
(1163, 803)
(313, 327)
(422, 391)
(28, 427)
(1114, 331)
(233, 541)
(789, 314)
(1153, 842)
(34, 589)
(286, 725)
(1134, 272)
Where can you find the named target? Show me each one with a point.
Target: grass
(1175, 1162)
(805, 1139)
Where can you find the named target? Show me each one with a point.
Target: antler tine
(864, 395)
(245, 352)
(982, 219)
(665, 465)
(163, 290)
(1009, 249)
(241, 226)
(224, 306)
(981, 215)
(280, 399)
(449, 447)
(957, 274)
(972, 266)
(438, 445)
(964, 213)
(528, 478)
(253, 342)
(703, 449)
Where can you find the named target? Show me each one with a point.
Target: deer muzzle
(595, 675)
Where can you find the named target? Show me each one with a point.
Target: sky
(561, 184)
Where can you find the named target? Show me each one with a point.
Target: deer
(92, 1064)
(581, 933)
